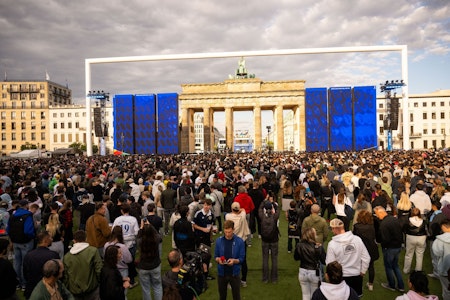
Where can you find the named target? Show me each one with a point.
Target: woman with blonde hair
(311, 254)
(56, 231)
(404, 206)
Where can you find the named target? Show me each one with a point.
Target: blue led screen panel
(340, 118)
(123, 123)
(316, 122)
(167, 141)
(365, 117)
(145, 124)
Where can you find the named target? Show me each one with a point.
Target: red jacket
(245, 201)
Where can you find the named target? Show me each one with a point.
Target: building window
(62, 125)
(433, 104)
(380, 105)
(23, 96)
(14, 96)
(381, 117)
(55, 115)
(442, 115)
(381, 130)
(33, 136)
(24, 105)
(77, 124)
(425, 131)
(13, 105)
(4, 105)
(14, 147)
(42, 125)
(33, 104)
(41, 86)
(411, 117)
(69, 125)
(69, 138)
(13, 125)
(13, 115)
(42, 136)
(24, 136)
(84, 114)
(23, 125)
(416, 104)
(55, 125)
(42, 104)
(3, 126)
(77, 115)
(4, 86)
(13, 136)
(33, 125)
(33, 115)
(42, 115)
(23, 115)
(3, 136)
(424, 104)
(55, 138)
(42, 95)
(3, 115)
(442, 103)
(69, 115)
(33, 96)
(77, 137)
(424, 116)
(4, 95)
(433, 116)
(425, 144)
(433, 131)
(63, 138)
(61, 115)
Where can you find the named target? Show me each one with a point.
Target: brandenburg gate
(242, 93)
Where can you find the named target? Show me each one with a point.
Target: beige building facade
(24, 113)
(247, 94)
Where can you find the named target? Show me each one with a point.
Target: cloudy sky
(57, 36)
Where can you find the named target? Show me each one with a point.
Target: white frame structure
(393, 48)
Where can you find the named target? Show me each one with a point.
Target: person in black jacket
(391, 242)
(366, 231)
(269, 236)
(112, 285)
(416, 239)
(311, 254)
(183, 234)
(9, 276)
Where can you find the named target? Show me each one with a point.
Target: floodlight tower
(390, 121)
(102, 129)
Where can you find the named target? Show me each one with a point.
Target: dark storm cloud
(58, 36)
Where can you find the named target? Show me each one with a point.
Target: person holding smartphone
(229, 254)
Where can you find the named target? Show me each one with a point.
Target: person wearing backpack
(22, 233)
(269, 236)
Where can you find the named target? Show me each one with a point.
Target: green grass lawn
(288, 286)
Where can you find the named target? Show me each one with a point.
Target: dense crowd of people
(92, 227)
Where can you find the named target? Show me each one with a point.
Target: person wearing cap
(241, 229)
(135, 190)
(22, 233)
(350, 251)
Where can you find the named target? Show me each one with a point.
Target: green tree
(28, 146)
(77, 147)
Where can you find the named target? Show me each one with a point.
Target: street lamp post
(268, 135)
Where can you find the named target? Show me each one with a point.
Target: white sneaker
(370, 286)
(243, 283)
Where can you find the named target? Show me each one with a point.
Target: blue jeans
(151, 279)
(20, 250)
(390, 257)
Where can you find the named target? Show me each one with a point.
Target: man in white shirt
(421, 200)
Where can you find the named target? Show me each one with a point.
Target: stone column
(257, 126)
(279, 128)
(229, 127)
(184, 134)
(207, 128)
(297, 134)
